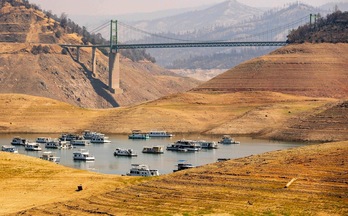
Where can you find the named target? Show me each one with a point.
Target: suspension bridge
(124, 36)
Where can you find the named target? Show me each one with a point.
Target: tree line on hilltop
(332, 29)
(70, 27)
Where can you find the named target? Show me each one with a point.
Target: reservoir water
(106, 162)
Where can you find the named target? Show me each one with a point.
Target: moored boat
(79, 142)
(19, 141)
(153, 150)
(159, 134)
(10, 149)
(137, 134)
(69, 137)
(88, 134)
(43, 139)
(125, 152)
(226, 139)
(50, 156)
(184, 145)
(54, 144)
(83, 155)
(208, 144)
(100, 138)
(142, 170)
(32, 146)
(182, 165)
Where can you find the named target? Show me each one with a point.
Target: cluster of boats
(69, 141)
(65, 141)
(196, 145)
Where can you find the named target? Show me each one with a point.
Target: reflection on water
(106, 162)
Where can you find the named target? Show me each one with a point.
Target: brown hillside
(327, 124)
(254, 185)
(314, 70)
(260, 114)
(49, 73)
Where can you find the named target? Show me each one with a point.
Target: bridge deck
(185, 45)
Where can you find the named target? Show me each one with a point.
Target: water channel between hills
(106, 162)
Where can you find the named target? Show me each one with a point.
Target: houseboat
(83, 155)
(54, 144)
(125, 152)
(32, 146)
(19, 141)
(88, 135)
(182, 165)
(66, 145)
(153, 150)
(100, 138)
(43, 139)
(137, 134)
(10, 149)
(226, 139)
(184, 145)
(142, 170)
(50, 156)
(79, 142)
(160, 134)
(208, 144)
(69, 137)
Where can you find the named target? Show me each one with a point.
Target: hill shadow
(99, 87)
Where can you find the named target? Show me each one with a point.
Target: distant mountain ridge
(275, 20)
(222, 14)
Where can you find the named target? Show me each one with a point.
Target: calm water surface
(106, 162)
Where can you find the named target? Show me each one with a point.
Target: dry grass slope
(261, 114)
(247, 186)
(313, 70)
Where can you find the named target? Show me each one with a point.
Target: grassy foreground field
(254, 185)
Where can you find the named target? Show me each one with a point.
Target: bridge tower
(114, 60)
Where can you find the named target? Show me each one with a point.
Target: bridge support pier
(114, 72)
(78, 54)
(94, 61)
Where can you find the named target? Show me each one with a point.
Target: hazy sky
(116, 7)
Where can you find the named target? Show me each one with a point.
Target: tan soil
(253, 185)
(261, 114)
(57, 76)
(314, 70)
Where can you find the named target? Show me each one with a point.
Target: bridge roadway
(185, 45)
(114, 56)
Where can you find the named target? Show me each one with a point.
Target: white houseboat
(208, 144)
(100, 138)
(160, 134)
(137, 134)
(153, 150)
(182, 165)
(50, 156)
(226, 139)
(83, 154)
(10, 149)
(19, 141)
(54, 144)
(79, 142)
(142, 170)
(125, 152)
(184, 145)
(88, 134)
(32, 146)
(43, 139)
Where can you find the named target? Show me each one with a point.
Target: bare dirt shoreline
(254, 185)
